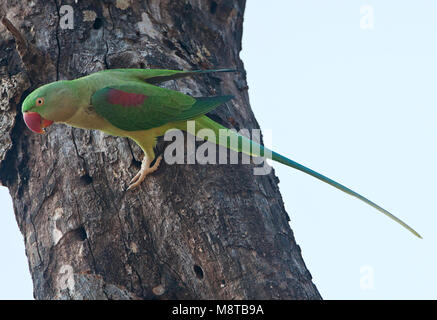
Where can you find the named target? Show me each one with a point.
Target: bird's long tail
(222, 133)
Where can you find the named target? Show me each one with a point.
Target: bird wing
(141, 106)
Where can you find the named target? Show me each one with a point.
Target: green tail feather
(279, 158)
(258, 150)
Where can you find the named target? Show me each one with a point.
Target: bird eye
(40, 102)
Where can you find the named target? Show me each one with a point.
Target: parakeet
(127, 103)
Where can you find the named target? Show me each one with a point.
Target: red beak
(35, 122)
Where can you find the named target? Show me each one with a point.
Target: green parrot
(127, 103)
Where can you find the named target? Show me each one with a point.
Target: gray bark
(189, 231)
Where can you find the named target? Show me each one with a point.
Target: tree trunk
(189, 231)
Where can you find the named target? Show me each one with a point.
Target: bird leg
(144, 171)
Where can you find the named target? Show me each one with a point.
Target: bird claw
(144, 171)
(135, 178)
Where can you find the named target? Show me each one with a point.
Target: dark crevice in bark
(58, 58)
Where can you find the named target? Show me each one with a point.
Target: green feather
(202, 106)
(155, 76)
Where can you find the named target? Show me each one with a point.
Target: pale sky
(353, 98)
(358, 105)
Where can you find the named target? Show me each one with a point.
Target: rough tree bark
(190, 231)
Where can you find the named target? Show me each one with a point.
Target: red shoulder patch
(126, 99)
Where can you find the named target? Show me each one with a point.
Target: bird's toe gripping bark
(144, 171)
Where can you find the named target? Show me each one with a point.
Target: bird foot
(144, 171)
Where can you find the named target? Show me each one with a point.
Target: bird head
(53, 102)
